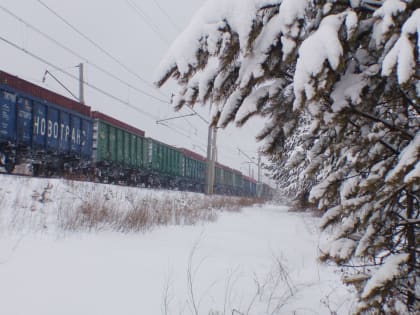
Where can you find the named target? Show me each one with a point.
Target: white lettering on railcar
(55, 130)
(62, 131)
(83, 138)
(49, 129)
(73, 136)
(78, 136)
(67, 132)
(36, 125)
(43, 126)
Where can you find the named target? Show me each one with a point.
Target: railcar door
(53, 130)
(86, 143)
(39, 126)
(7, 117)
(64, 143)
(76, 135)
(24, 122)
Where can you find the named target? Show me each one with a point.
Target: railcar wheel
(36, 170)
(9, 164)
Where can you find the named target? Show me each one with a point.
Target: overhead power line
(167, 15)
(107, 94)
(95, 44)
(186, 135)
(74, 53)
(116, 98)
(108, 54)
(71, 51)
(102, 70)
(139, 11)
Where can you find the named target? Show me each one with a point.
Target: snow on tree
(338, 82)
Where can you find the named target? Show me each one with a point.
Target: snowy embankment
(261, 260)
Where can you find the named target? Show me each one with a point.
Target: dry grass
(133, 213)
(64, 206)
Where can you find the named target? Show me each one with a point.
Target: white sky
(138, 33)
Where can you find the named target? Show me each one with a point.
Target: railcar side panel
(193, 165)
(218, 175)
(182, 159)
(76, 134)
(188, 172)
(43, 127)
(237, 180)
(127, 149)
(39, 125)
(24, 123)
(120, 146)
(52, 129)
(87, 138)
(140, 152)
(102, 142)
(169, 157)
(7, 121)
(64, 143)
(133, 149)
(163, 158)
(112, 144)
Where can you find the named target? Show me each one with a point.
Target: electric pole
(211, 159)
(81, 86)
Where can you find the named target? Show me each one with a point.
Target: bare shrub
(272, 292)
(94, 214)
(95, 207)
(50, 204)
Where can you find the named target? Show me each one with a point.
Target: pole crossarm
(247, 156)
(172, 118)
(59, 82)
(198, 115)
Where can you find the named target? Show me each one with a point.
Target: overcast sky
(136, 33)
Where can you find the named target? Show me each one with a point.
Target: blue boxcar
(57, 130)
(30, 120)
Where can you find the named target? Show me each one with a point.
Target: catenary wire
(71, 51)
(167, 15)
(107, 53)
(16, 46)
(74, 53)
(104, 51)
(145, 18)
(94, 87)
(128, 104)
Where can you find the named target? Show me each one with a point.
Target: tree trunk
(411, 243)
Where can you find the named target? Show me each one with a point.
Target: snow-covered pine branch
(338, 82)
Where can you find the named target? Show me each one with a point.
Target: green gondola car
(163, 163)
(224, 180)
(118, 149)
(194, 171)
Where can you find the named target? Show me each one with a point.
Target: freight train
(61, 137)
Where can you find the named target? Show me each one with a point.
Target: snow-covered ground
(261, 260)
